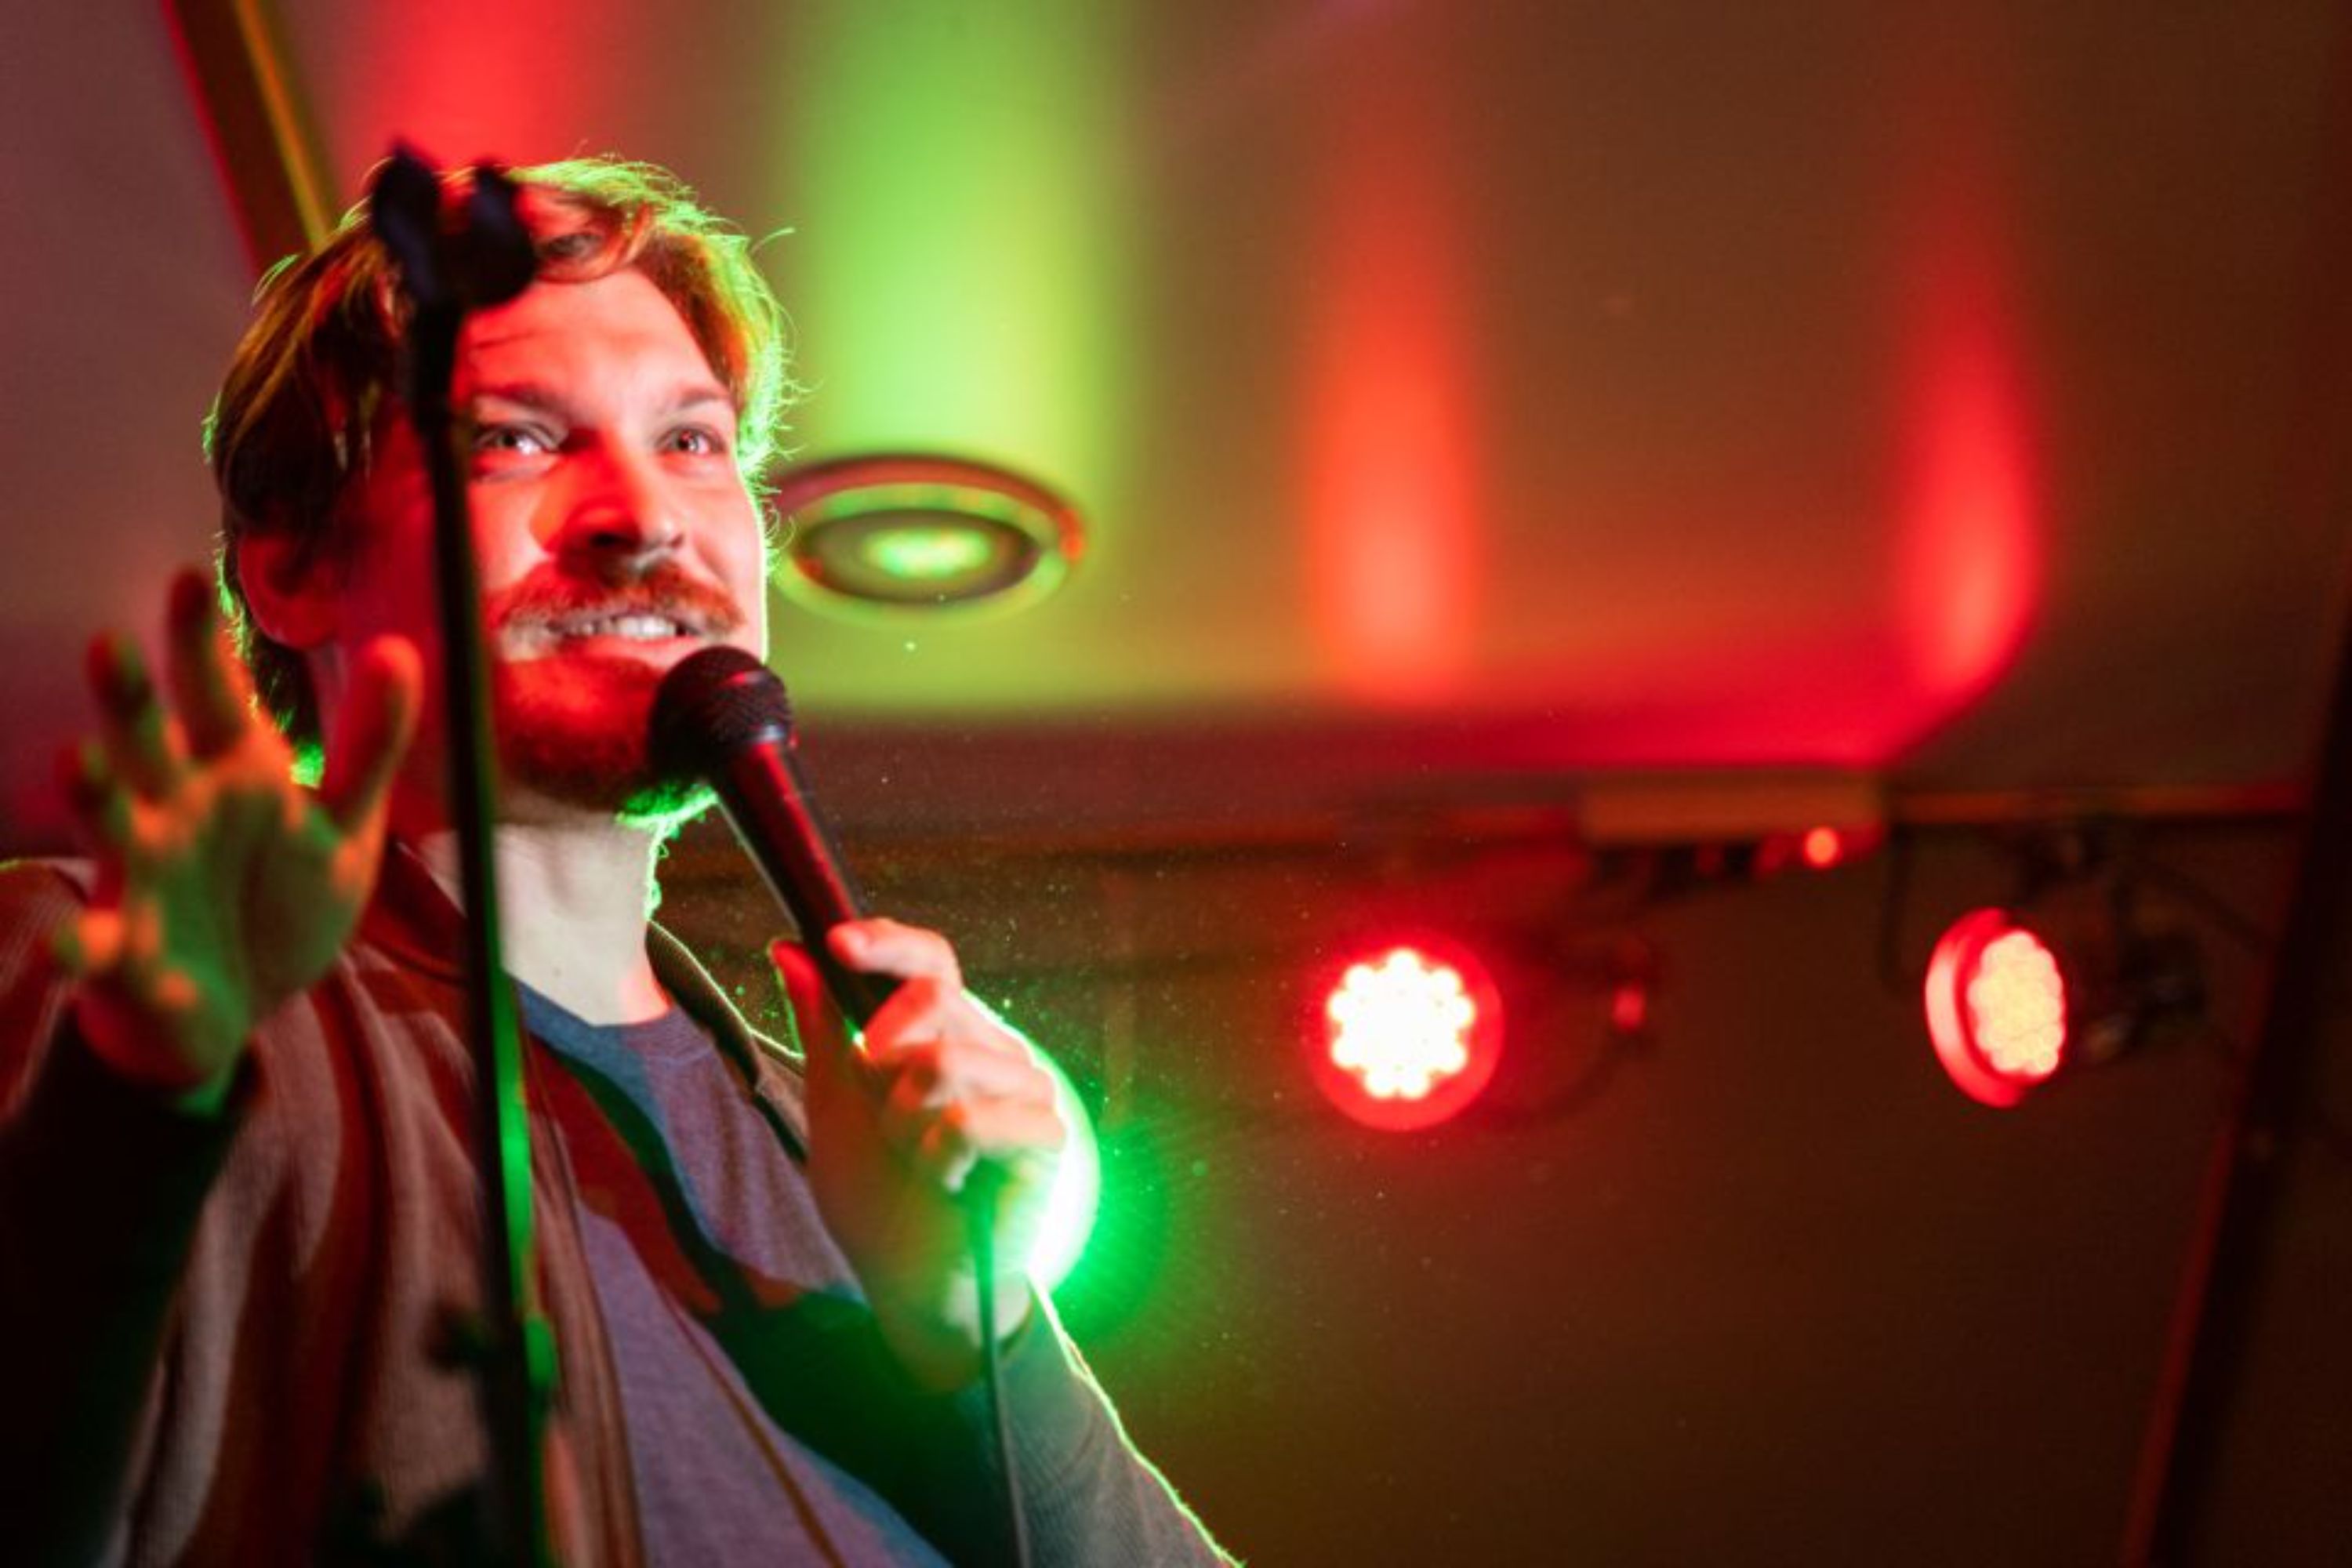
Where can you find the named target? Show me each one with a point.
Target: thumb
(364, 754)
(824, 1032)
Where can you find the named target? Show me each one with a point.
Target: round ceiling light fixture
(909, 535)
(1407, 1033)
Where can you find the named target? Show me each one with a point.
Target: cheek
(506, 536)
(740, 558)
(752, 595)
(389, 590)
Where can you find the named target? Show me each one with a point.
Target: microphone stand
(450, 264)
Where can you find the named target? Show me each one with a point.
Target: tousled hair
(317, 373)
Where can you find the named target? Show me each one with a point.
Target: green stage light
(1076, 1197)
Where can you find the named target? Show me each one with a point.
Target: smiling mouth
(534, 636)
(550, 611)
(630, 627)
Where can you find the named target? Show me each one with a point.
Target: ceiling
(1956, 389)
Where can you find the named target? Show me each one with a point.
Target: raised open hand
(224, 886)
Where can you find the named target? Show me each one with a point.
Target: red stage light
(1629, 1007)
(1823, 848)
(1407, 1037)
(1996, 1005)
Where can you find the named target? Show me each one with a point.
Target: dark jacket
(230, 1339)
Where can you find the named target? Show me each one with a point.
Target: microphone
(723, 716)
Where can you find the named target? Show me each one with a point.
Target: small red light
(1407, 1035)
(1996, 1003)
(1629, 1007)
(1824, 847)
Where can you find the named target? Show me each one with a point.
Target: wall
(1761, 1285)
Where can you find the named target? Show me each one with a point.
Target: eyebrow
(554, 400)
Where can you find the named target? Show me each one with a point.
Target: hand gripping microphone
(723, 716)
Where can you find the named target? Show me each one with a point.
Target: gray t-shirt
(707, 1257)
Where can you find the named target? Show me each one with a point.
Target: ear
(289, 586)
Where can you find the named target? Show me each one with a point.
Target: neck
(574, 894)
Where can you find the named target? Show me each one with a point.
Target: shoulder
(35, 896)
(34, 888)
(773, 1066)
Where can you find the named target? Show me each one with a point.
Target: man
(237, 1192)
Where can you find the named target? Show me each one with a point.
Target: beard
(572, 725)
(573, 729)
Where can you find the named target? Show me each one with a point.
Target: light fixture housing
(912, 536)
(1996, 999)
(1405, 1033)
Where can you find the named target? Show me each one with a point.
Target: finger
(937, 1072)
(958, 1139)
(824, 1033)
(100, 810)
(205, 676)
(142, 746)
(924, 1095)
(945, 1153)
(88, 942)
(128, 962)
(887, 947)
(372, 733)
(918, 1011)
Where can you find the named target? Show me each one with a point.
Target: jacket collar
(414, 920)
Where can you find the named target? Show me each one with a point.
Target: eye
(510, 439)
(696, 441)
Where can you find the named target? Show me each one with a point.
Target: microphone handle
(767, 800)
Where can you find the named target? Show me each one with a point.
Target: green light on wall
(953, 169)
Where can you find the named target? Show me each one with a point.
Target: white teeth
(646, 628)
(629, 628)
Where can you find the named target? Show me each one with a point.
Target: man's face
(613, 532)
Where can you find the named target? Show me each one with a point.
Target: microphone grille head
(713, 705)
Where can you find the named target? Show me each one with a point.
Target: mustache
(546, 598)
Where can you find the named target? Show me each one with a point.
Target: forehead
(614, 331)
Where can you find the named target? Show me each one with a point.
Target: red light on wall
(1823, 848)
(1407, 1035)
(1970, 531)
(1629, 1007)
(1393, 524)
(1996, 1007)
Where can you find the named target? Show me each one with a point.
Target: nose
(622, 525)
